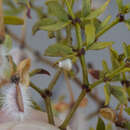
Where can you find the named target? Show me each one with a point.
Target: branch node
(74, 21)
(86, 87)
(46, 93)
(121, 17)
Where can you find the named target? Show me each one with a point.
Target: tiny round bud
(66, 64)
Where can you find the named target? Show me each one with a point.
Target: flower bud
(108, 113)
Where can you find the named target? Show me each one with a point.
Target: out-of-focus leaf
(105, 66)
(13, 20)
(98, 11)
(105, 22)
(109, 126)
(114, 58)
(91, 128)
(128, 91)
(54, 27)
(39, 71)
(86, 7)
(108, 114)
(120, 4)
(8, 42)
(119, 93)
(21, 1)
(12, 11)
(126, 69)
(100, 124)
(55, 9)
(126, 8)
(107, 93)
(126, 50)
(100, 45)
(97, 24)
(127, 23)
(42, 22)
(23, 71)
(56, 50)
(127, 125)
(127, 110)
(90, 33)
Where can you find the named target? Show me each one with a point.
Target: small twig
(49, 110)
(47, 100)
(93, 96)
(2, 27)
(54, 80)
(74, 108)
(32, 85)
(23, 34)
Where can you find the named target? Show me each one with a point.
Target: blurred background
(40, 42)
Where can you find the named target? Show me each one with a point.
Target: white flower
(10, 106)
(65, 64)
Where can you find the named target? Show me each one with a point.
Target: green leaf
(90, 33)
(105, 22)
(21, 1)
(127, 110)
(109, 126)
(55, 27)
(126, 8)
(126, 69)
(107, 93)
(127, 23)
(119, 93)
(120, 4)
(86, 7)
(57, 50)
(126, 50)
(100, 124)
(105, 66)
(127, 125)
(100, 45)
(114, 58)
(55, 9)
(7, 42)
(98, 11)
(128, 91)
(91, 128)
(13, 20)
(42, 22)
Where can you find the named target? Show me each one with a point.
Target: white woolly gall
(10, 106)
(65, 64)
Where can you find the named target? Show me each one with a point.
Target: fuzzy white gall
(66, 64)
(10, 106)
